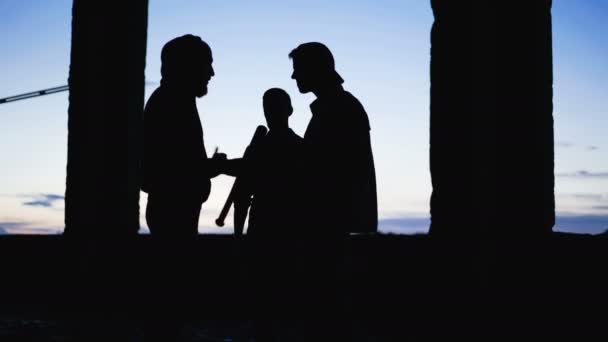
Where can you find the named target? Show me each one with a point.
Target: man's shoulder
(156, 100)
(164, 96)
(294, 137)
(352, 102)
(352, 107)
(285, 140)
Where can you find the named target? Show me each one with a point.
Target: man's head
(313, 67)
(277, 108)
(186, 63)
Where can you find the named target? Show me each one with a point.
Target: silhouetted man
(274, 180)
(275, 171)
(176, 170)
(341, 170)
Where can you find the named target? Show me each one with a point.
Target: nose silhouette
(293, 75)
(212, 72)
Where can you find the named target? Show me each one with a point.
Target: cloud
(572, 223)
(152, 83)
(587, 196)
(39, 231)
(584, 174)
(584, 224)
(568, 144)
(13, 227)
(564, 144)
(404, 225)
(598, 199)
(601, 207)
(39, 203)
(7, 227)
(43, 200)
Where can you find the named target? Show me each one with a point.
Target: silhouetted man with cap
(176, 169)
(340, 184)
(341, 165)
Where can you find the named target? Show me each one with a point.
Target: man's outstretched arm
(219, 165)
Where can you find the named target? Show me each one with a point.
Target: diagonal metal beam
(32, 94)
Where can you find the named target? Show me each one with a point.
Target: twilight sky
(381, 49)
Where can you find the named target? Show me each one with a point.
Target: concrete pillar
(491, 118)
(104, 127)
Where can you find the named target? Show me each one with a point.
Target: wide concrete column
(491, 117)
(105, 114)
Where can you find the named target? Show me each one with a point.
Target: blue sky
(382, 51)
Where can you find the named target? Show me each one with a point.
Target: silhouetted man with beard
(176, 169)
(340, 162)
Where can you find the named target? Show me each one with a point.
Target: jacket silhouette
(338, 140)
(340, 164)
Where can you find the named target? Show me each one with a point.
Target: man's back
(174, 153)
(342, 165)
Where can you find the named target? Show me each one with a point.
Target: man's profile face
(276, 114)
(203, 75)
(271, 118)
(302, 76)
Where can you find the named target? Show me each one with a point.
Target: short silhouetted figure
(176, 169)
(274, 186)
(275, 171)
(341, 174)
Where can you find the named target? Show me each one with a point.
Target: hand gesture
(217, 163)
(219, 156)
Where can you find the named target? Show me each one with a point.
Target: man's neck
(279, 130)
(177, 90)
(328, 91)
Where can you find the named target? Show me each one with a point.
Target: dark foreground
(368, 288)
